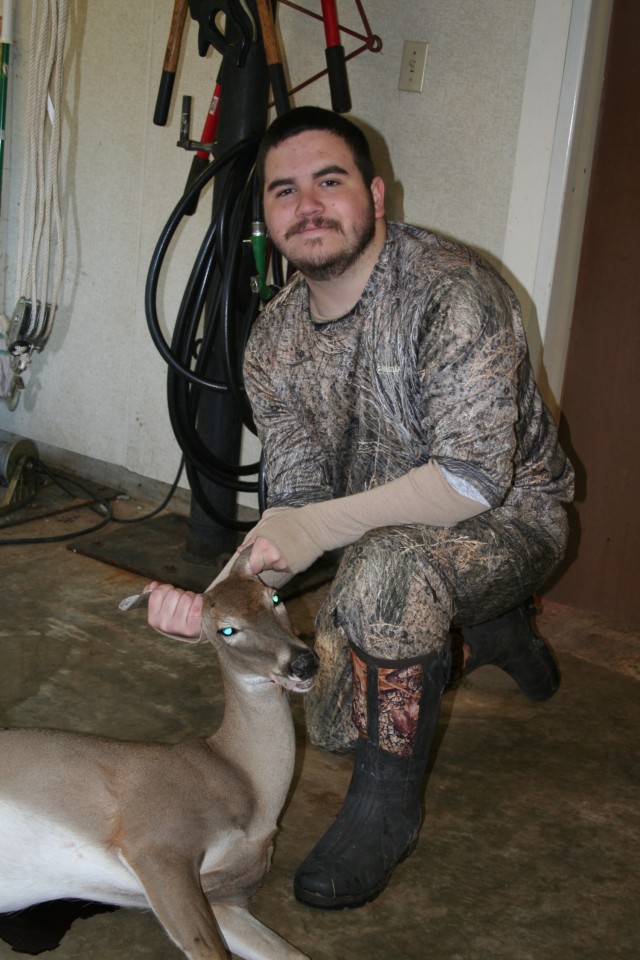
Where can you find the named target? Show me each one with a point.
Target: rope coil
(40, 253)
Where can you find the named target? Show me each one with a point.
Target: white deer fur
(184, 829)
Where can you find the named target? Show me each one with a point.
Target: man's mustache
(302, 225)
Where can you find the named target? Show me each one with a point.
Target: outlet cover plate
(414, 59)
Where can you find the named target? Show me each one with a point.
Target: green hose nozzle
(259, 247)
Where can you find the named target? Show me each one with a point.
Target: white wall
(471, 156)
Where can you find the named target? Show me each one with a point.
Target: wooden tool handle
(268, 31)
(273, 57)
(172, 53)
(170, 65)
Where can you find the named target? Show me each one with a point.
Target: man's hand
(265, 556)
(175, 611)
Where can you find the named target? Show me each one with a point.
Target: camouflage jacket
(431, 362)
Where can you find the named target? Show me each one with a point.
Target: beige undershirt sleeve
(303, 534)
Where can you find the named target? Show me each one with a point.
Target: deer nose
(305, 665)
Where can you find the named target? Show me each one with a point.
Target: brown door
(600, 426)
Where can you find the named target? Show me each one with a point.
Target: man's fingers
(175, 611)
(265, 556)
(190, 606)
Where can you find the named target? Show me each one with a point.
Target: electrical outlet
(414, 58)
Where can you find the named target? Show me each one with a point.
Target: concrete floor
(530, 844)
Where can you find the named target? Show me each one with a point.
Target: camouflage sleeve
(470, 352)
(296, 468)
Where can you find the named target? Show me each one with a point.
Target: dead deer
(184, 829)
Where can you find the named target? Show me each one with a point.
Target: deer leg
(174, 893)
(249, 938)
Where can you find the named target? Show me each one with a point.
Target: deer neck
(257, 735)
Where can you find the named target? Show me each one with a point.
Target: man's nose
(309, 202)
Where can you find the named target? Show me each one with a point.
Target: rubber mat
(155, 549)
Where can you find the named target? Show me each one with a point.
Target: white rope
(40, 222)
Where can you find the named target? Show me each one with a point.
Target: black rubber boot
(512, 643)
(380, 819)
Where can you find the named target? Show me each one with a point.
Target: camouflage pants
(399, 590)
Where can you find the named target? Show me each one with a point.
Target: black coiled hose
(218, 303)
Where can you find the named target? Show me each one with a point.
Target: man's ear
(377, 192)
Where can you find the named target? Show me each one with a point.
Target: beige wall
(471, 156)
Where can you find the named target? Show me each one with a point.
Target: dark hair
(303, 119)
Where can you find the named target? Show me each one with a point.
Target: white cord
(40, 222)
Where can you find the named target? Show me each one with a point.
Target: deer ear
(241, 566)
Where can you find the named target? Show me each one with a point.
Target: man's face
(318, 210)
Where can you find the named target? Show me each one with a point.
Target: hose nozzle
(259, 245)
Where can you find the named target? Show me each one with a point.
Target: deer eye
(227, 631)
(276, 599)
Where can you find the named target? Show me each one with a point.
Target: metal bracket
(185, 141)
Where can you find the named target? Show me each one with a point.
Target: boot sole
(350, 901)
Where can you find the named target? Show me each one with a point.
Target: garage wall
(469, 156)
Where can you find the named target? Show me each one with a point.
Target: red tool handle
(330, 17)
(334, 54)
(211, 123)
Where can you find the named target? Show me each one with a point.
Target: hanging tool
(243, 33)
(334, 54)
(273, 56)
(170, 65)
(205, 13)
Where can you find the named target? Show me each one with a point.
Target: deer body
(185, 829)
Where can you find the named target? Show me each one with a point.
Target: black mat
(42, 927)
(155, 549)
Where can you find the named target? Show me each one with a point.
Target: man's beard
(334, 265)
